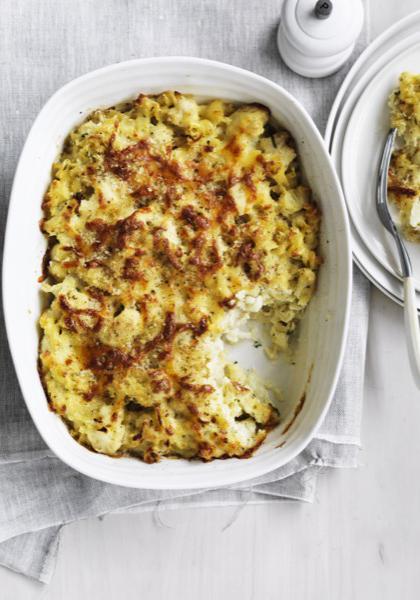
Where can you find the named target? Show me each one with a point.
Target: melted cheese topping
(171, 224)
(404, 172)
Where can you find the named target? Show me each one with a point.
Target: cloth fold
(38, 493)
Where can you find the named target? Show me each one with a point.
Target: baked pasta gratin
(171, 223)
(404, 173)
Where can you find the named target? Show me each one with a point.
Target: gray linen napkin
(42, 46)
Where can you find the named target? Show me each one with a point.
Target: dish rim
(296, 446)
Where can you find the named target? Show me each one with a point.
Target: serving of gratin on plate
(404, 172)
(174, 226)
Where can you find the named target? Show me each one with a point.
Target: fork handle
(412, 327)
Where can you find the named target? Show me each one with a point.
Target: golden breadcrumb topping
(171, 224)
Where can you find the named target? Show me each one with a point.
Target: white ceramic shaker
(316, 38)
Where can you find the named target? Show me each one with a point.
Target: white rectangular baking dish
(320, 352)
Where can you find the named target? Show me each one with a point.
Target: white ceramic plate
(382, 50)
(323, 329)
(371, 57)
(363, 143)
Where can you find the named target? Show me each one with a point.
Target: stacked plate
(355, 135)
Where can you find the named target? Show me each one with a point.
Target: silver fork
(410, 305)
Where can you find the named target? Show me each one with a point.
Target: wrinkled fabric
(42, 46)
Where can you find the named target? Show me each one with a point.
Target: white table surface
(359, 540)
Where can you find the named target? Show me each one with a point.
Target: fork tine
(382, 204)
